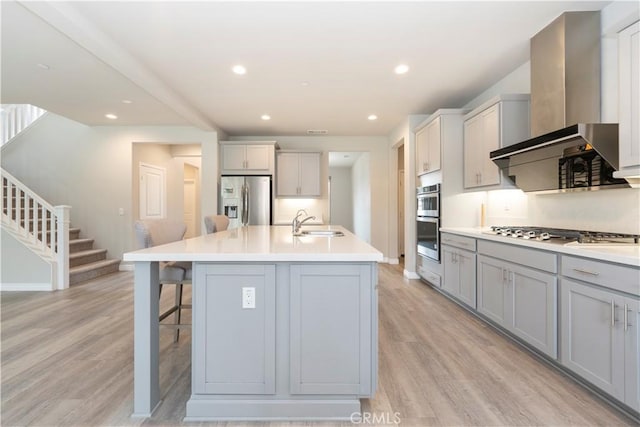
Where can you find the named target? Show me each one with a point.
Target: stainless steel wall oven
(428, 221)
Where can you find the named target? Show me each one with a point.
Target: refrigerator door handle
(245, 204)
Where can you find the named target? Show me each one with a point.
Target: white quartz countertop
(622, 254)
(258, 243)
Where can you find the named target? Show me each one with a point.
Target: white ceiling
(174, 59)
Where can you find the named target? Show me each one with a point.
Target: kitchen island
(284, 327)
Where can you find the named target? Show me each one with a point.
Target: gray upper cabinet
(247, 158)
(332, 313)
(428, 146)
(629, 101)
(500, 122)
(521, 299)
(298, 174)
(599, 337)
(234, 353)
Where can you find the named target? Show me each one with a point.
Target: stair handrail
(40, 226)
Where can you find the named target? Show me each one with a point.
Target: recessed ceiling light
(239, 69)
(127, 101)
(265, 117)
(401, 69)
(44, 66)
(111, 116)
(372, 117)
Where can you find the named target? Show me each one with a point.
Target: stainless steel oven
(428, 237)
(429, 201)
(428, 221)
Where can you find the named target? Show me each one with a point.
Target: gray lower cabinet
(520, 299)
(599, 338)
(632, 352)
(234, 347)
(308, 350)
(332, 310)
(459, 274)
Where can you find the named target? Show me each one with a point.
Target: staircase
(15, 118)
(85, 262)
(44, 229)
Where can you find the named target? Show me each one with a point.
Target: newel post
(63, 219)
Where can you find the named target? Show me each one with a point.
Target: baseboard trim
(26, 287)
(393, 261)
(410, 274)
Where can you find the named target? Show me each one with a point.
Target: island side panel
(146, 383)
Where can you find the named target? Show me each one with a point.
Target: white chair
(215, 223)
(159, 232)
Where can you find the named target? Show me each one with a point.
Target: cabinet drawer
(429, 276)
(546, 261)
(461, 242)
(624, 279)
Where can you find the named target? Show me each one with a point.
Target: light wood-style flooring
(67, 360)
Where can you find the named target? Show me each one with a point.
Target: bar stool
(154, 232)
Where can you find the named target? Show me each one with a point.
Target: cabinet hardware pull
(511, 276)
(613, 313)
(593, 273)
(504, 274)
(626, 318)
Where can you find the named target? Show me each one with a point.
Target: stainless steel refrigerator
(246, 200)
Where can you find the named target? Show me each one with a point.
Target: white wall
(378, 149)
(403, 134)
(361, 185)
(20, 268)
(341, 197)
(90, 168)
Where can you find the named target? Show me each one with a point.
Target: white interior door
(153, 191)
(189, 211)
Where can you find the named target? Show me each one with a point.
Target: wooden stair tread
(93, 265)
(79, 241)
(87, 252)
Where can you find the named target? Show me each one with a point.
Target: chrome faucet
(297, 223)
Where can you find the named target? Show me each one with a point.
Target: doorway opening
(350, 192)
(166, 183)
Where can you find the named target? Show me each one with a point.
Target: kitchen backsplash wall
(615, 210)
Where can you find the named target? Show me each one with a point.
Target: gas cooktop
(561, 235)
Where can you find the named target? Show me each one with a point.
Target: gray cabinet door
(330, 330)
(233, 347)
(534, 308)
(591, 341)
(467, 277)
(492, 289)
(632, 352)
(451, 273)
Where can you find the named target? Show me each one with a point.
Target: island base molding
(203, 408)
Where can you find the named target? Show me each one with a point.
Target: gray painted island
(304, 346)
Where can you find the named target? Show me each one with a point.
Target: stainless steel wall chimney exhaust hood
(578, 157)
(565, 89)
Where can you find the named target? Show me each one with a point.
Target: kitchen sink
(324, 233)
